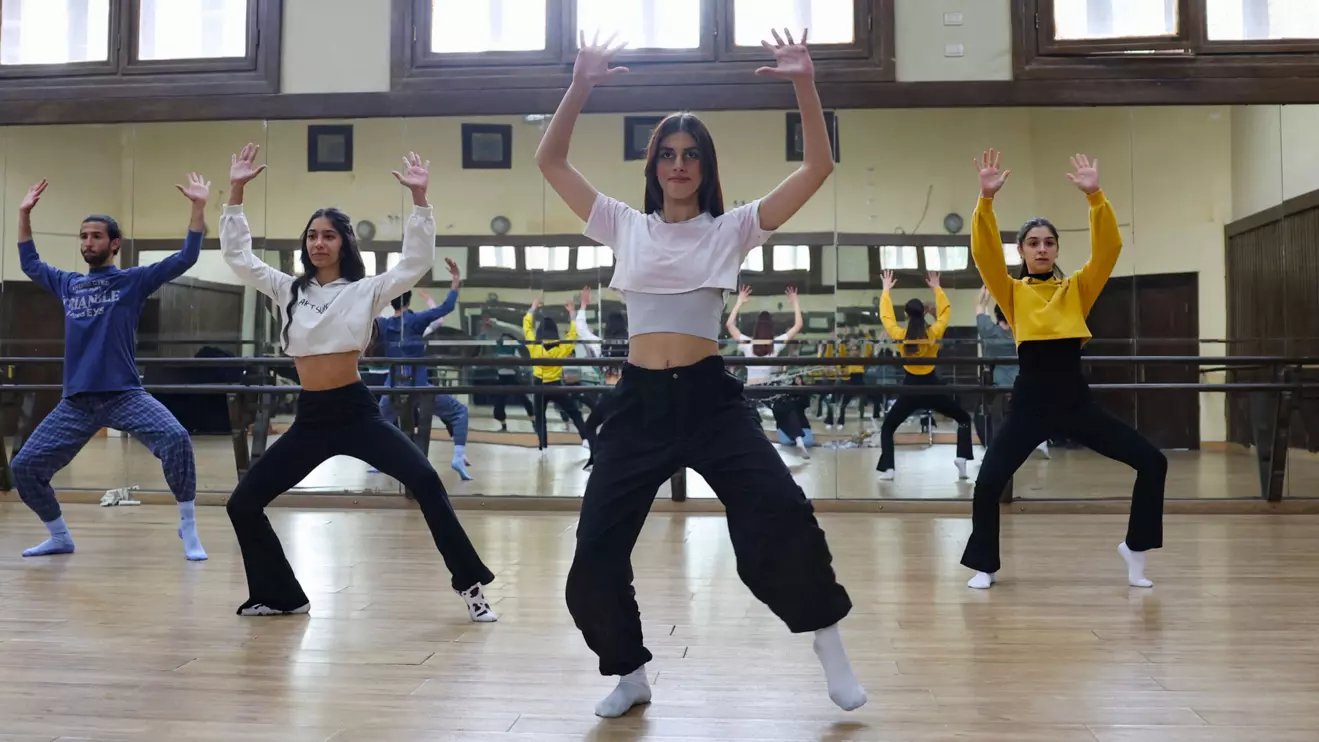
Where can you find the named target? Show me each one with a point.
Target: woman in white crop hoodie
(328, 315)
(676, 260)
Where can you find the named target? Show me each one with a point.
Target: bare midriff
(661, 350)
(328, 371)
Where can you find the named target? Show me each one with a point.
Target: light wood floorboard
(125, 640)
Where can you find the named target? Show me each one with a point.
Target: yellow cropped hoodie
(927, 347)
(552, 349)
(1053, 308)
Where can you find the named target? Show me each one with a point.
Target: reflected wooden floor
(925, 472)
(126, 641)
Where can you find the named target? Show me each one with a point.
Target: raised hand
(932, 279)
(571, 306)
(242, 166)
(453, 269)
(991, 178)
(586, 296)
(791, 291)
(792, 60)
(889, 280)
(415, 176)
(743, 294)
(1086, 175)
(198, 189)
(592, 65)
(32, 197)
(535, 303)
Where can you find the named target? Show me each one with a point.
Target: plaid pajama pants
(76, 419)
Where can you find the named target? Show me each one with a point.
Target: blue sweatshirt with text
(101, 311)
(401, 335)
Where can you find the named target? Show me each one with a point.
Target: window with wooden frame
(1148, 38)
(114, 48)
(458, 44)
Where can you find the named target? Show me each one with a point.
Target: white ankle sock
(633, 689)
(961, 468)
(478, 608)
(801, 446)
(1135, 566)
(982, 580)
(844, 689)
(887, 475)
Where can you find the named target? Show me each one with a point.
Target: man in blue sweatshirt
(101, 383)
(402, 337)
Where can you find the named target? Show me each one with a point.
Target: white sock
(961, 468)
(982, 580)
(478, 608)
(633, 689)
(192, 544)
(1043, 448)
(1135, 566)
(887, 475)
(801, 444)
(844, 689)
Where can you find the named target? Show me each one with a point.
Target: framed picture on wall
(487, 146)
(330, 148)
(793, 135)
(636, 135)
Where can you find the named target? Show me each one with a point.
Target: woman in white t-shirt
(762, 342)
(677, 406)
(789, 415)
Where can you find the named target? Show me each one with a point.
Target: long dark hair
(916, 328)
(1030, 224)
(710, 195)
(548, 332)
(615, 335)
(764, 330)
(350, 262)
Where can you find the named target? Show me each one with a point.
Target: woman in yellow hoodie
(920, 340)
(549, 346)
(1047, 312)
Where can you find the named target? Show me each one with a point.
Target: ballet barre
(251, 402)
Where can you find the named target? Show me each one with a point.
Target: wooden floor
(126, 641)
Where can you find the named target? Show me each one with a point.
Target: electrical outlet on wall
(952, 19)
(953, 50)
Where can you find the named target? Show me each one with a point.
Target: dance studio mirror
(88, 169)
(1292, 317)
(907, 189)
(205, 313)
(901, 198)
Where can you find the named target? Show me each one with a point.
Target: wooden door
(1167, 324)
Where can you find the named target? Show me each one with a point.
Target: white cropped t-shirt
(659, 266)
(762, 374)
(339, 316)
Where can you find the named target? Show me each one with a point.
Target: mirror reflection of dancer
(789, 410)
(328, 313)
(920, 340)
(102, 388)
(545, 343)
(401, 336)
(612, 345)
(677, 405)
(1051, 396)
